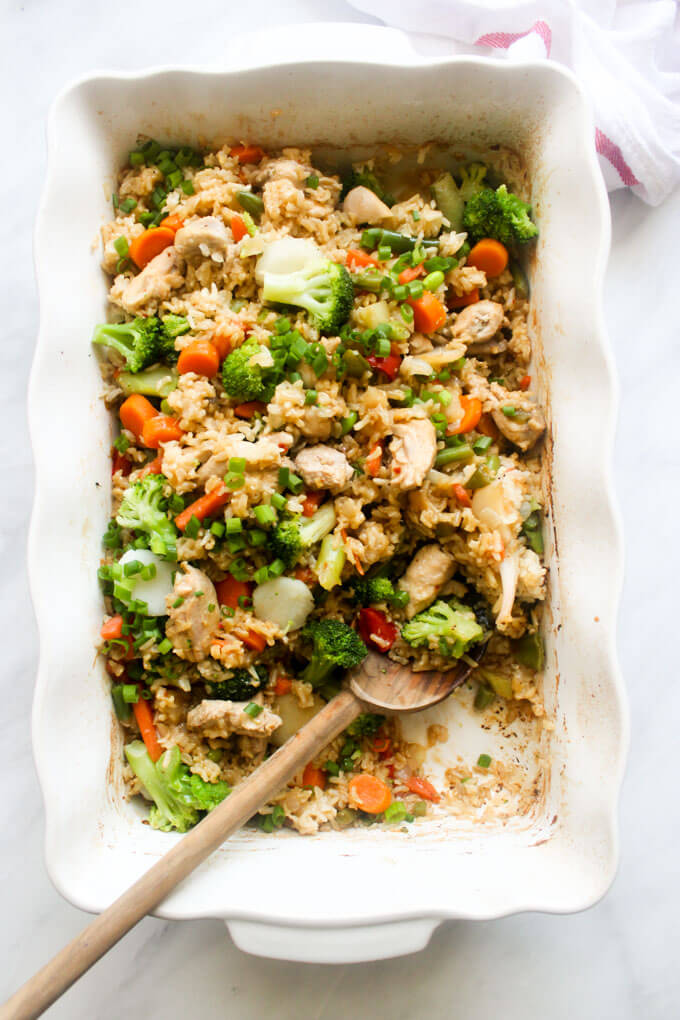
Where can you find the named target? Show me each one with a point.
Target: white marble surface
(618, 960)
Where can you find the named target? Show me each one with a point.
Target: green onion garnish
(233, 526)
(312, 182)
(193, 527)
(484, 761)
(252, 709)
(265, 515)
(122, 247)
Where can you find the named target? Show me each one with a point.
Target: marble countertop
(617, 960)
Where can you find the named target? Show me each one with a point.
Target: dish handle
(355, 944)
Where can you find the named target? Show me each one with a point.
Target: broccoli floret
(179, 797)
(451, 197)
(291, 537)
(323, 288)
(368, 591)
(365, 725)
(336, 646)
(136, 341)
(171, 326)
(499, 214)
(143, 509)
(240, 686)
(448, 627)
(157, 381)
(247, 381)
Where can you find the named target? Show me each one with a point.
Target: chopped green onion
(233, 526)
(332, 768)
(276, 568)
(122, 247)
(121, 707)
(484, 761)
(193, 527)
(238, 569)
(415, 214)
(252, 709)
(237, 465)
(217, 528)
(130, 694)
(509, 411)
(136, 158)
(234, 480)
(264, 515)
(396, 812)
(235, 543)
(348, 423)
(416, 289)
(257, 537)
(261, 575)
(249, 223)
(482, 444)
(311, 397)
(165, 646)
(127, 205)
(312, 182)
(406, 313)
(178, 602)
(419, 809)
(384, 253)
(278, 501)
(278, 816)
(121, 443)
(188, 187)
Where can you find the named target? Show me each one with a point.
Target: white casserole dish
(368, 893)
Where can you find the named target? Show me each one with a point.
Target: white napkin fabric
(625, 54)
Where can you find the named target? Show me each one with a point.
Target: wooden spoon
(377, 683)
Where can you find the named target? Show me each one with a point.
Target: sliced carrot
(429, 314)
(490, 256)
(174, 222)
(200, 357)
(525, 382)
(374, 460)
(149, 244)
(487, 426)
(154, 467)
(247, 153)
(112, 629)
(461, 494)
(205, 506)
(411, 273)
(238, 227)
(312, 502)
(382, 744)
(161, 429)
(423, 788)
(134, 412)
(255, 641)
(357, 259)
(229, 591)
(369, 793)
(144, 717)
(462, 300)
(282, 685)
(249, 409)
(313, 776)
(472, 412)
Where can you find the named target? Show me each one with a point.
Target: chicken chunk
(283, 169)
(413, 447)
(204, 237)
(217, 719)
(428, 571)
(155, 282)
(363, 206)
(288, 409)
(526, 428)
(479, 322)
(192, 624)
(265, 452)
(323, 467)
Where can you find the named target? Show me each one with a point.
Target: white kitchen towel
(626, 56)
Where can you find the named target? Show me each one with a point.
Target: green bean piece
(252, 204)
(453, 454)
(376, 237)
(519, 278)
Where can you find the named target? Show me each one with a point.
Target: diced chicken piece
(478, 322)
(192, 624)
(525, 429)
(428, 571)
(217, 719)
(283, 169)
(363, 206)
(265, 452)
(155, 282)
(413, 447)
(204, 237)
(323, 467)
(497, 346)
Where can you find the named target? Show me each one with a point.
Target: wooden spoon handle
(70, 963)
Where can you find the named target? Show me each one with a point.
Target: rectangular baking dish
(367, 893)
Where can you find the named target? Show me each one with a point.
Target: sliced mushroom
(363, 206)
